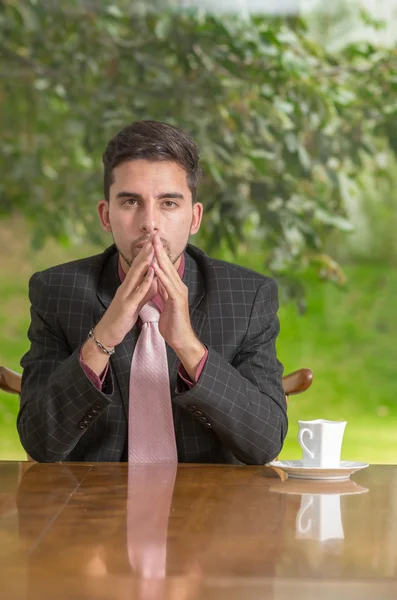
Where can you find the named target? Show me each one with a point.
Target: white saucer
(318, 487)
(295, 469)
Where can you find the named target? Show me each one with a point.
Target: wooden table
(79, 530)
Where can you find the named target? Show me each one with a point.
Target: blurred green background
(296, 117)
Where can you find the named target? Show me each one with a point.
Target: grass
(348, 338)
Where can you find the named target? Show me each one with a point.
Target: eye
(130, 201)
(170, 203)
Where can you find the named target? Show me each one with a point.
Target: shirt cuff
(183, 374)
(93, 377)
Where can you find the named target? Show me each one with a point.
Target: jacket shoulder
(89, 267)
(228, 274)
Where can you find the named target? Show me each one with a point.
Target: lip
(141, 244)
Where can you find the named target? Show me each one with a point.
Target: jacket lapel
(193, 279)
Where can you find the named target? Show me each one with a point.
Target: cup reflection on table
(319, 517)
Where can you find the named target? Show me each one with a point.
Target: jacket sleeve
(243, 401)
(58, 401)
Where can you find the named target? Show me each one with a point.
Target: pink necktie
(151, 435)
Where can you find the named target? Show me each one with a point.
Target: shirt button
(197, 413)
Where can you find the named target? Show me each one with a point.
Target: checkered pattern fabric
(235, 413)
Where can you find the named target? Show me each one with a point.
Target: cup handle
(299, 519)
(302, 443)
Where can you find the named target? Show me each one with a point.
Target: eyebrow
(136, 196)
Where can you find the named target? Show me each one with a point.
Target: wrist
(190, 355)
(105, 349)
(105, 338)
(93, 356)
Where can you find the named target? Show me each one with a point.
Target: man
(152, 351)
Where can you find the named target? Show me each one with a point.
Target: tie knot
(149, 313)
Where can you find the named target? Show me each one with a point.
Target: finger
(140, 292)
(163, 258)
(167, 266)
(162, 291)
(141, 259)
(139, 268)
(168, 285)
(144, 254)
(159, 249)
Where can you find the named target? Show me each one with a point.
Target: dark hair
(153, 141)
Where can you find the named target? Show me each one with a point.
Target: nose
(149, 219)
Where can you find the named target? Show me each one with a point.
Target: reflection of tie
(151, 435)
(150, 489)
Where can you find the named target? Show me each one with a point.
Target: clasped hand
(153, 266)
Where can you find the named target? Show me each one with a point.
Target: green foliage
(373, 208)
(283, 125)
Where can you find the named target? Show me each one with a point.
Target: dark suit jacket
(235, 412)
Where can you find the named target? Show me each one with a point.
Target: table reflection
(150, 491)
(331, 528)
(319, 516)
(109, 531)
(105, 539)
(156, 532)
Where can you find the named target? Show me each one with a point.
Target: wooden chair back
(294, 383)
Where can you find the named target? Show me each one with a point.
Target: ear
(197, 216)
(103, 212)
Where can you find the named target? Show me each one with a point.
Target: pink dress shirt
(98, 381)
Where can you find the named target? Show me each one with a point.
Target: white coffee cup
(319, 517)
(321, 442)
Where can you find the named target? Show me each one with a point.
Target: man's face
(146, 197)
